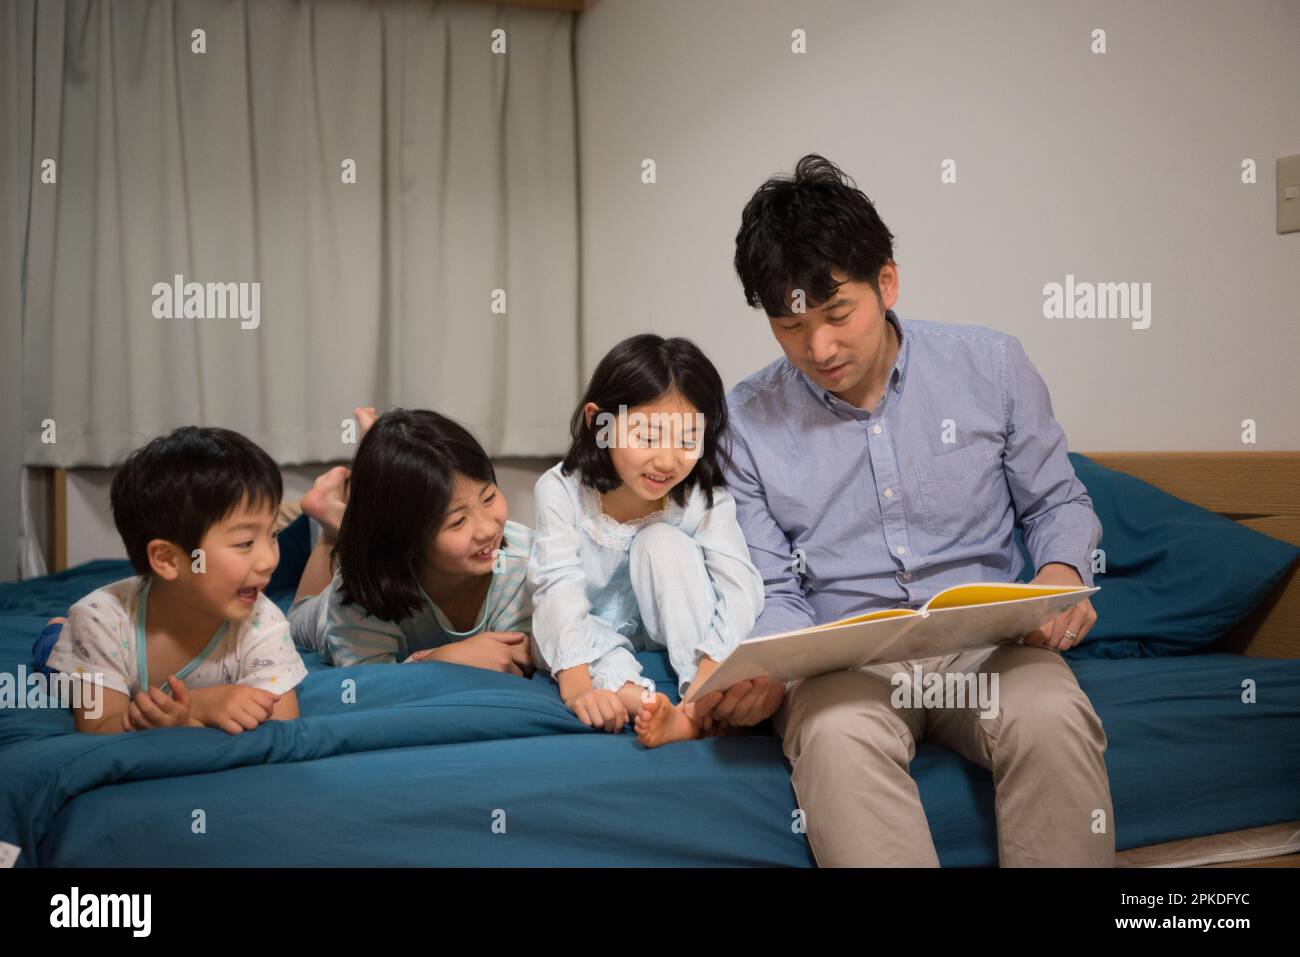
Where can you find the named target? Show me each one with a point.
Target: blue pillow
(1178, 577)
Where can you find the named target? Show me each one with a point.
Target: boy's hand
(232, 708)
(156, 710)
(599, 709)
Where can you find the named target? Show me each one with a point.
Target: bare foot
(366, 416)
(326, 500)
(659, 722)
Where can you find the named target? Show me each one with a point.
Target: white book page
(805, 653)
(928, 634)
(949, 630)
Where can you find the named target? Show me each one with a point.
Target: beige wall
(1116, 167)
(1122, 167)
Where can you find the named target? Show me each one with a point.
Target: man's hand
(1068, 628)
(744, 704)
(491, 650)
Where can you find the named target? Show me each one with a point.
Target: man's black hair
(179, 485)
(795, 230)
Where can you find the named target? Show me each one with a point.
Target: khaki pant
(850, 749)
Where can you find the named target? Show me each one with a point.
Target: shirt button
(876, 430)
(906, 576)
(901, 550)
(889, 493)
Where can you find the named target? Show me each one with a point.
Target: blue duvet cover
(442, 765)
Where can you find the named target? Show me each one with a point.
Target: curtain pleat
(226, 166)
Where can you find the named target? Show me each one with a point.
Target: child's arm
(286, 709)
(118, 712)
(514, 611)
(573, 682)
(565, 632)
(87, 648)
(607, 710)
(235, 708)
(506, 652)
(112, 712)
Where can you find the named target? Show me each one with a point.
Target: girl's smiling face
(466, 541)
(654, 446)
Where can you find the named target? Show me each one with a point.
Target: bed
(443, 765)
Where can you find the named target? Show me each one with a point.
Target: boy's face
(836, 343)
(239, 554)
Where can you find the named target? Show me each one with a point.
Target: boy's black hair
(638, 371)
(795, 230)
(402, 481)
(179, 485)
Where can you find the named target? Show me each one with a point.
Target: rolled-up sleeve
(737, 584)
(1052, 506)
(565, 632)
(785, 607)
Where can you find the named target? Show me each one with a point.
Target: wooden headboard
(1258, 489)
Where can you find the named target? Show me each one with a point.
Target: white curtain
(227, 166)
(17, 85)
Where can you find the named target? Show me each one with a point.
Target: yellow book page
(962, 595)
(870, 616)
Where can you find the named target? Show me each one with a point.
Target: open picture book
(956, 619)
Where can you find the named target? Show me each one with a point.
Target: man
(880, 461)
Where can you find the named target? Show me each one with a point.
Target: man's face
(837, 343)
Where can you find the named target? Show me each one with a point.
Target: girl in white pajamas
(637, 545)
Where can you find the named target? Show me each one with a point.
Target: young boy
(191, 641)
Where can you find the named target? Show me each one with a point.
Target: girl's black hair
(180, 484)
(402, 480)
(795, 230)
(638, 371)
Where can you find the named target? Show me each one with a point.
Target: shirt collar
(895, 376)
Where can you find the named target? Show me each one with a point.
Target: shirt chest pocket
(951, 488)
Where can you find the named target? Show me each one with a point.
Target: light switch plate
(1288, 194)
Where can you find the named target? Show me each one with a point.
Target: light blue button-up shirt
(847, 510)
